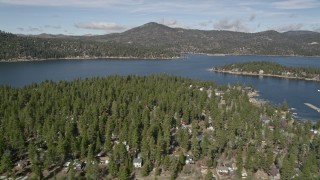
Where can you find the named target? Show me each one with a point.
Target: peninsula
(272, 69)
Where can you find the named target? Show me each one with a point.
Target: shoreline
(253, 98)
(257, 74)
(146, 58)
(222, 54)
(88, 58)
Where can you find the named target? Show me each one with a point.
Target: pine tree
(92, 168)
(209, 175)
(195, 147)
(61, 149)
(239, 163)
(146, 168)
(72, 175)
(123, 173)
(32, 152)
(113, 166)
(6, 162)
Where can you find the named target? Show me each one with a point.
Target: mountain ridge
(153, 40)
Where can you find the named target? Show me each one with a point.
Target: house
(104, 160)
(223, 171)
(244, 173)
(22, 164)
(265, 119)
(210, 128)
(78, 165)
(248, 89)
(67, 164)
(189, 159)
(261, 72)
(137, 162)
(101, 153)
(314, 132)
(219, 93)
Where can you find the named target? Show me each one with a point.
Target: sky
(93, 17)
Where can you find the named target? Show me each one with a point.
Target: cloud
(20, 29)
(171, 22)
(30, 29)
(289, 27)
(231, 25)
(107, 26)
(252, 17)
(296, 4)
(168, 22)
(34, 29)
(52, 27)
(205, 23)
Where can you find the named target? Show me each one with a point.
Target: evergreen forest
(163, 119)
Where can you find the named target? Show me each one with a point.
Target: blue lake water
(275, 90)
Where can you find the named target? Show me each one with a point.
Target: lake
(275, 90)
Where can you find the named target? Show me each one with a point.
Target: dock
(312, 106)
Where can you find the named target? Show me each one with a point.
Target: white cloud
(168, 22)
(231, 25)
(52, 27)
(107, 26)
(289, 27)
(171, 22)
(296, 4)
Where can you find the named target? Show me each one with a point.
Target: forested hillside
(13, 47)
(220, 42)
(154, 40)
(271, 68)
(161, 120)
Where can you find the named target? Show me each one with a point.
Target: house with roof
(223, 171)
(22, 164)
(244, 173)
(261, 72)
(218, 93)
(137, 162)
(104, 160)
(189, 159)
(101, 153)
(265, 119)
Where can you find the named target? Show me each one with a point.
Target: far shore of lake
(88, 58)
(257, 74)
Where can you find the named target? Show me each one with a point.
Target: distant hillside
(154, 40)
(14, 47)
(222, 42)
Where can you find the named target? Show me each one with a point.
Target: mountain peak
(153, 25)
